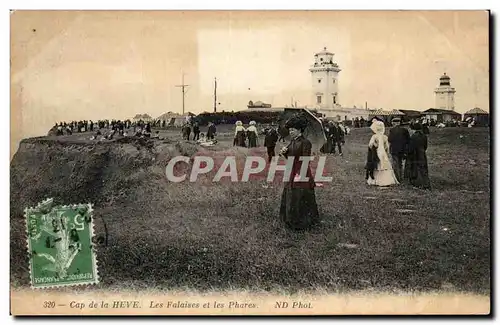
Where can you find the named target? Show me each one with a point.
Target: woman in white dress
(383, 173)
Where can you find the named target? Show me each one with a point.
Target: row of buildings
(433, 114)
(325, 96)
(436, 114)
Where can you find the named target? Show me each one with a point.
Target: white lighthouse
(445, 94)
(324, 73)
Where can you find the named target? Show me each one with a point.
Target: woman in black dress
(252, 135)
(240, 135)
(418, 171)
(299, 210)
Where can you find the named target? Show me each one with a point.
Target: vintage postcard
(250, 163)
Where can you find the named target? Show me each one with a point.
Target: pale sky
(91, 65)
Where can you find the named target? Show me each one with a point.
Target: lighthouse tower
(324, 73)
(445, 94)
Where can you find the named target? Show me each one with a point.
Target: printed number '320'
(49, 304)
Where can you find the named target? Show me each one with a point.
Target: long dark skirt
(417, 172)
(420, 176)
(299, 209)
(407, 168)
(252, 140)
(240, 139)
(328, 146)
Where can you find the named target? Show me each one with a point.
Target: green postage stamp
(60, 245)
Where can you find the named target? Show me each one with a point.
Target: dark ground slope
(109, 175)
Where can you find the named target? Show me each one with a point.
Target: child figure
(202, 138)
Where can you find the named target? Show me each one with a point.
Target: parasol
(314, 131)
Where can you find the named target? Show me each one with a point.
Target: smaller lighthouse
(445, 94)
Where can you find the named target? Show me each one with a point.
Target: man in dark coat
(328, 128)
(398, 141)
(337, 137)
(417, 159)
(425, 128)
(356, 122)
(211, 131)
(270, 140)
(186, 131)
(196, 131)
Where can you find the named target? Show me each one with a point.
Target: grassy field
(220, 235)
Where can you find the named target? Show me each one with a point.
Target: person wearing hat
(252, 135)
(383, 173)
(425, 127)
(196, 131)
(399, 138)
(418, 170)
(270, 140)
(211, 131)
(186, 131)
(239, 135)
(337, 135)
(298, 210)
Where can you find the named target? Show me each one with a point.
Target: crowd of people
(194, 127)
(392, 159)
(399, 157)
(402, 147)
(106, 129)
(242, 134)
(69, 128)
(109, 129)
(249, 137)
(273, 133)
(335, 135)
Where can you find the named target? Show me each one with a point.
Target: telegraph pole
(183, 87)
(215, 95)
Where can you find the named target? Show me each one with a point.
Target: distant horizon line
(311, 108)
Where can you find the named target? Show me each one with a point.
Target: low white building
(325, 89)
(344, 113)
